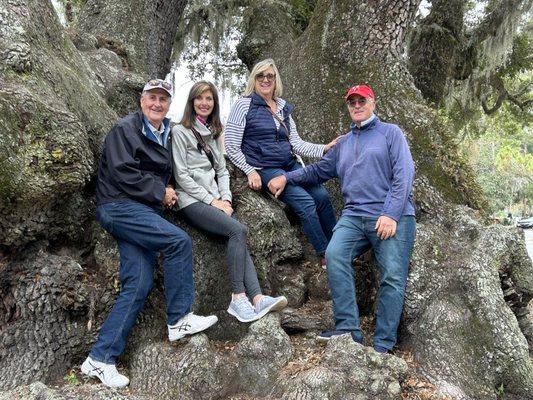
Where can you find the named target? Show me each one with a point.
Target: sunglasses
(160, 83)
(261, 77)
(355, 102)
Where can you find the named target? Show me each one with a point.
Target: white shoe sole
(231, 312)
(200, 328)
(278, 305)
(88, 370)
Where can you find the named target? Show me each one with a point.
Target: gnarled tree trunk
(455, 307)
(469, 284)
(142, 31)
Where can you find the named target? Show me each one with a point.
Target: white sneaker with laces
(242, 309)
(107, 373)
(189, 325)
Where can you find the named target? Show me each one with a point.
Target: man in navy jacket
(133, 189)
(376, 171)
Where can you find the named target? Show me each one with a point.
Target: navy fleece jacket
(375, 169)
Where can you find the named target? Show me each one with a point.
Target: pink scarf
(200, 119)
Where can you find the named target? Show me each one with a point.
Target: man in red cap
(376, 171)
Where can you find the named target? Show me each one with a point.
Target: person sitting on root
(261, 139)
(204, 198)
(131, 193)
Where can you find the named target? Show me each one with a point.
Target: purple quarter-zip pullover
(375, 169)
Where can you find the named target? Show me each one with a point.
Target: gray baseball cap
(158, 84)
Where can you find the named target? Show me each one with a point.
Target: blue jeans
(140, 232)
(312, 205)
(352, 237)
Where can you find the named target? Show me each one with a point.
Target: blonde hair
(262, 66)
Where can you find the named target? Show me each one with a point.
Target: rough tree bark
(58, 277)
(143, 31)
(53, 118)
(455, 329)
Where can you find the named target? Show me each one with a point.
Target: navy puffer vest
(263, 144)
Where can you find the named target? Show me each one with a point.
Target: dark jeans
(140, 232)
(241, 267)
(352, 237)
(312, 205)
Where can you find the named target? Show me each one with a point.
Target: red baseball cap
(362, 90)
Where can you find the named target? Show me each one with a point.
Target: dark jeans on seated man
(141, 232)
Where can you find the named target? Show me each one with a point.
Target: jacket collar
(140, 124)
(139, 120)
(201, 128)
(372, 121)
(282, 104)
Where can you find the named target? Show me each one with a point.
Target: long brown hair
(189, 115)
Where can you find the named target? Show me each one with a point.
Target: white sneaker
(267, 304)
(242, 309)
(189, 325)
(107, 373)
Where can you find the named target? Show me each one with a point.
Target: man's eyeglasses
(160, 83)
(261, 77)
(354, 102)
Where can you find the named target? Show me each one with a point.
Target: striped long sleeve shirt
(235, 130)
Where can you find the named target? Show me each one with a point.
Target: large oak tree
(465, 317)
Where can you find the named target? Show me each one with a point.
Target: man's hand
(170, 197)
(254, 180)
(223, 205)
(332, 143)
(386, 227)
(277, 184)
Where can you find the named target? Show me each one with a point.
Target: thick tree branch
(498, 84)
(434, 48)
(146, 34)
(515, 99)
(502, 96)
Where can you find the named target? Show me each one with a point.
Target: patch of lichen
(10, 174)
(444, 166)
(40, 156)
(74, 91)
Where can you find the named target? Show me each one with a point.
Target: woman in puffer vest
(261, 139)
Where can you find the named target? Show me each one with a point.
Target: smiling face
(265, 83)
(360, 108)
(155, 104)
(203, 104)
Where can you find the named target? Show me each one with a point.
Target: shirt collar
(160, 135)
(365, 123)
